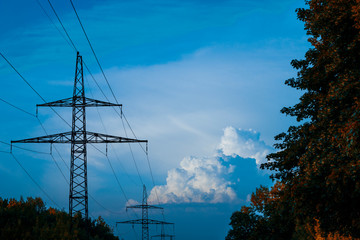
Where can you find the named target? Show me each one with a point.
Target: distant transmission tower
(144, 221)
(78, 138)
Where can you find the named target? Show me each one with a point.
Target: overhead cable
(33, 180)
(18, 108)
(62, 25)
(12, 66)
(92, 49)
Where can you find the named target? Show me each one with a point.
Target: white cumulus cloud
(221, 178)
(244, 143)
(196, 180)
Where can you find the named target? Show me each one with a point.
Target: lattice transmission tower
(145, 221)
(78, 137)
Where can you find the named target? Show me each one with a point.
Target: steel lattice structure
(78, 138)
(145, 221)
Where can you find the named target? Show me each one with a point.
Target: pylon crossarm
(71, 102)
(54, 138)
(142, 221)
(105, 138)
(145, 206)
(151, 221)
(137, 221)
(163, 235)
(91, 137)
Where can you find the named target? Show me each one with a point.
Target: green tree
(243, 224)
(268, 217)
(319, 160)
(317, 166)
(31, 220)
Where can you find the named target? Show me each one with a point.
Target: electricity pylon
(144, 221)
(78, 138)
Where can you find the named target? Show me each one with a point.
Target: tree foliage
(268, 217)
(318, 161)
(31, 220)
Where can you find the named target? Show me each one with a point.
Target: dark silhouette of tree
(317, 163)
(319, 160)
(267, 217)
(31, 220)
(244, 223)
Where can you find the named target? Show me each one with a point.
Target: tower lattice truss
(78, 137)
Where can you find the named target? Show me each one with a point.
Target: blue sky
(203, 81)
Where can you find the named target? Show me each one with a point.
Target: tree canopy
(31, 220)
(318, 161)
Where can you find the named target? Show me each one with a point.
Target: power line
(12, 66)
(126, 135)
(42, 126)
(144, 150)
(113, 171)
(92, 49)
(97, 202)
(74, 47)
(48, 16)
(26, 149)
(30, 149)
(111, 145)
(57, 165)
(33, 180)
(101, 90)
(66, 180)
(57, 151)
(18, 108)
(22, 148)
(62, 25)
(102, 123)
(148, 160)
(118, 159)
(97, 60)
(78, 198)
(132, 154)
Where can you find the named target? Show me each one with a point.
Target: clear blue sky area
(203, 81)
